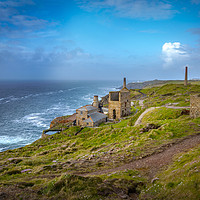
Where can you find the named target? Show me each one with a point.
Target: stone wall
(125, 103)
(195, 106)
(90, 124)
(80, 116)
(114, 105)
(120, 106)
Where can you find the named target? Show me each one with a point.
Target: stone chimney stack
(186, 76)
(124, 84)
(96, 102)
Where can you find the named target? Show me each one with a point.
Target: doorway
(114, 114)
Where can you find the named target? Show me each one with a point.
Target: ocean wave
(88, 98)
(5, 100)
(4, 139)
(105, 90)
(43, 119)
(70, 89)
(3, 148)
(60, 109)
(35, 119)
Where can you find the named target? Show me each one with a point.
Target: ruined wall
(125, 103)
(114, 105)
(80, 116)
(195, 106)
(89, 124)
(122, 107)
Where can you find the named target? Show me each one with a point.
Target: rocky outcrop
(104, 100)
(64, 120)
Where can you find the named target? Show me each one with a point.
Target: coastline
(27, 107)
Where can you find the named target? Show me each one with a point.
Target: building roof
(88, 120)
(87, 108)
(95, 117)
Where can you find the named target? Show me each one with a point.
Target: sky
(99, 39)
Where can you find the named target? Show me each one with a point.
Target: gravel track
(156, 162)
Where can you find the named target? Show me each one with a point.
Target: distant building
(89, 116)
(119, 104)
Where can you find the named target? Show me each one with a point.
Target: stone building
(89, 116)
(195, 106)
(119, 104)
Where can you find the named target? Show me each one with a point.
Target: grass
(162, 114)
(180, 181)
(170, 93)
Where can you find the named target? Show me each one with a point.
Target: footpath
(155, 162)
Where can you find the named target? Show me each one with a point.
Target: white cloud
(14, 21)
(173, 53)
(143, 9)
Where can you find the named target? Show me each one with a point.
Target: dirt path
(155, 162)
(139, 120)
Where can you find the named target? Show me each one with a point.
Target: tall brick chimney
(186, 76)
(124, 84)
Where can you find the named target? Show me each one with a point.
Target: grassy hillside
(170, 93)
(181, 180)
(52, 167)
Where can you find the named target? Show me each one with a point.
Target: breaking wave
(4, 139)
(9, 99)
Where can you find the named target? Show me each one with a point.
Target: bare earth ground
(155, 162)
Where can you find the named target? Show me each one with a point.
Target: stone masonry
(119, 103)
(195, 106)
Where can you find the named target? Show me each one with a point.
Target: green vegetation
(162, 114)
(46, 168)
(180, 181)
(170, 93)
(134, 93)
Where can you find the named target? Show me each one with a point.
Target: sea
(28, 107)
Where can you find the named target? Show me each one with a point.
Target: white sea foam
(88, 97)
(35, 119)
(2, 149)
(4, 139)
(12, 98)
(59, 109)
(70, 89)
(43, 119)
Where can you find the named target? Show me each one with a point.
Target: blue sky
(99, 39)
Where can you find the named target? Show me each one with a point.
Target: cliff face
(59, 121)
